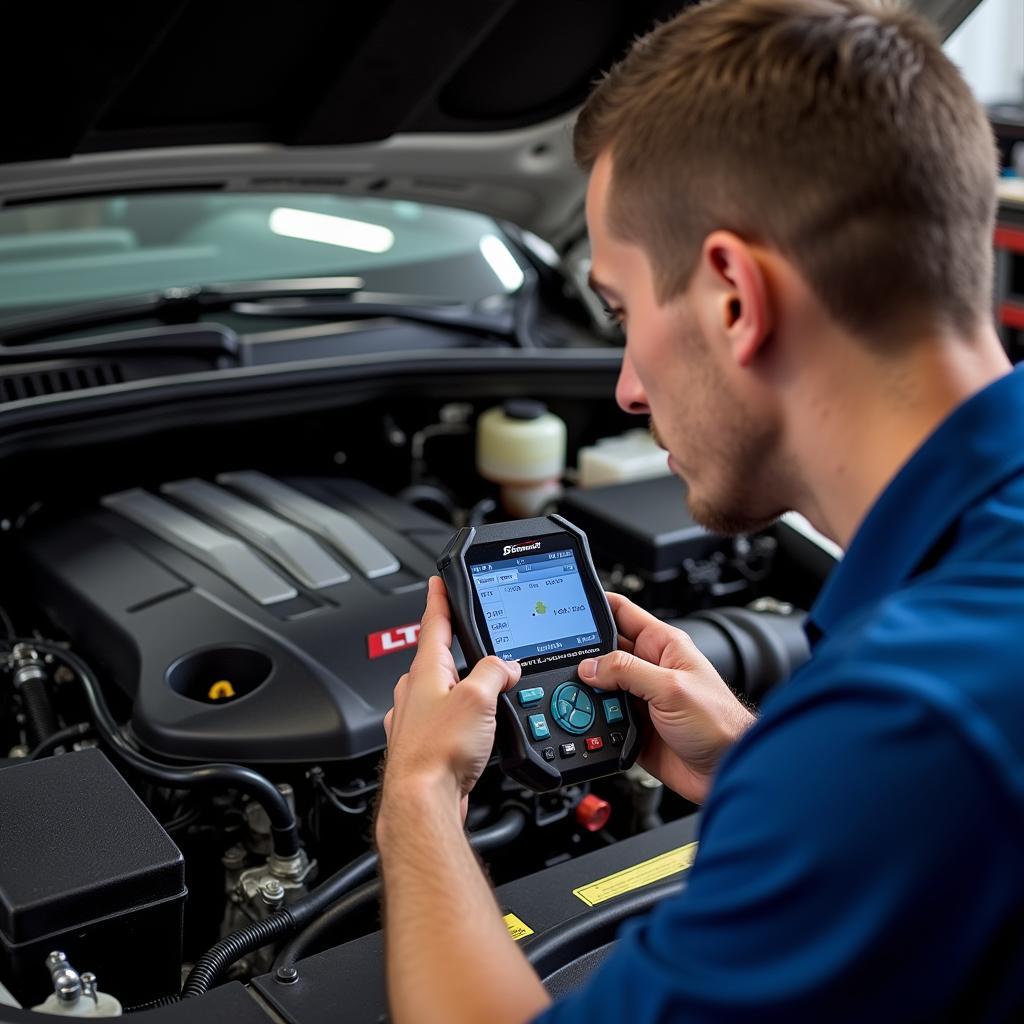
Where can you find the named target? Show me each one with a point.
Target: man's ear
(740, 300)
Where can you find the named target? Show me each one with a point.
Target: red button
(594, 743)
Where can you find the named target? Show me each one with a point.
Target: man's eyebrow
(600, 289)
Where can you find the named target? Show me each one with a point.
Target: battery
(86, 869)
(643, 524)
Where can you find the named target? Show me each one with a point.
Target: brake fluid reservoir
(521, 446)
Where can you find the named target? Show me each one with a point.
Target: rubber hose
(506, 829)
(39, 717)
(216, 960)
(58, 739)
(213, 963)
(571, 939)
(258, 787)
(356, 900)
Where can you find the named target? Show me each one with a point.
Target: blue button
(581, 720)
(527, 698)
(539, 727)
(572, 708)
(612, 710)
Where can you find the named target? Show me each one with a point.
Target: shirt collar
(971, 452)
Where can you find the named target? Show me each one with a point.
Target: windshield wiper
(171, 305)
(302, 297)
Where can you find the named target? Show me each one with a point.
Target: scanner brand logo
(518, 549)
(387, 641)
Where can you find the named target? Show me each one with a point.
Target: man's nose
(629, 392)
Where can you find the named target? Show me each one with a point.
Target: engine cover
(249, 619)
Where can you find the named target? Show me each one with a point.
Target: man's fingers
(436, 625)
(491, 676)
(624, 671)
(632, 619)
(433, 649)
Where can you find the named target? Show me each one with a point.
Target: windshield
(117, 246)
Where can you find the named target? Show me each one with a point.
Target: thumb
(492, 676)
(624, 671)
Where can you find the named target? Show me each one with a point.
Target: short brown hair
(834, 130)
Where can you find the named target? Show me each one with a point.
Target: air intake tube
(752, 650)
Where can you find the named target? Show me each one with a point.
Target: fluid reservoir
(615, 460)
(521, 445)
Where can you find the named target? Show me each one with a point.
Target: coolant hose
(245, 780)
(504, 831)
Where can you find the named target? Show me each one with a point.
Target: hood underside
(461, 102)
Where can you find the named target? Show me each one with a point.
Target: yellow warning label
(516, 928)
(221, 690)
(636, 877)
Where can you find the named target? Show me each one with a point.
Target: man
(790, 206)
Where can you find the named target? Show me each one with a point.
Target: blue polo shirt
(862, 851)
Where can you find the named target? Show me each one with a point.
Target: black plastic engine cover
(135, 605)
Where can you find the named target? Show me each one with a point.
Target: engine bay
(220, 616)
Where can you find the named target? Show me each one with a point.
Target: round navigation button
(572, 709)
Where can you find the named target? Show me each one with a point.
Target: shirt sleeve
(840, 877)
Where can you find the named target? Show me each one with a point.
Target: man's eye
(615, 315)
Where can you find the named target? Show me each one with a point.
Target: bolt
(286, 975)
(67, 986)
(272, 892)
(89, 987)
(66, 983)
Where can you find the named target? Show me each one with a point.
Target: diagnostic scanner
(528, 591)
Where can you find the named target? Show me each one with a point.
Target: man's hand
(695, 716)
(441, 731)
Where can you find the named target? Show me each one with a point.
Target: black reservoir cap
(76, 845)
(523, 409)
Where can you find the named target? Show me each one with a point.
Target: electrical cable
(258, 787)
